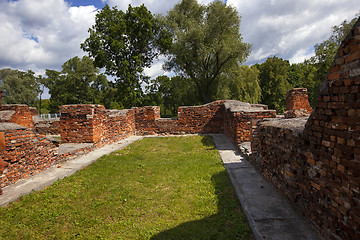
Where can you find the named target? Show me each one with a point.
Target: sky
(43, 34)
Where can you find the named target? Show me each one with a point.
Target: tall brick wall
(17, 113)
(333, 131)
(317, 162)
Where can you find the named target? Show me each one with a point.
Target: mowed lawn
(157, 188)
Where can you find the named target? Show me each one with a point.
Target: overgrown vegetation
(158, 188)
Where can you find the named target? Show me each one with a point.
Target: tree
(242, 85)
(170, 93)
(206, 43)
(274, 82)
(79, 82)
(20, 87)
(124, 43)
(302, 75)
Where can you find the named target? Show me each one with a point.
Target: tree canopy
(79, 82)
(20, 87)
(274, 82)
(124, 43)
(206, 44)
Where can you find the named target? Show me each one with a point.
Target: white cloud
(289, 28)
(42, 34)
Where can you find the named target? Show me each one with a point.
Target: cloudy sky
(43, 34)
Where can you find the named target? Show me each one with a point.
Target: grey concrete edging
(269, 214)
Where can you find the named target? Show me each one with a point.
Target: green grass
(157, 188)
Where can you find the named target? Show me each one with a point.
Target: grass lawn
(157, 188)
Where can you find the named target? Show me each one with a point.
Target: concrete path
(43, 179)
(268, 213)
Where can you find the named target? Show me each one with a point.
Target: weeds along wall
(316, 162)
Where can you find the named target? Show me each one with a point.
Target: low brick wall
(47, 127)
(23, 153)
(240, 119)
(94, 124)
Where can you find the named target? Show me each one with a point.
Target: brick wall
(17, 113)
(297, 99)
(88, 123)
(316, 163)
(234, 118)
(23, 153)
(240, 119)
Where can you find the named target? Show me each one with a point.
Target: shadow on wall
(226, 224)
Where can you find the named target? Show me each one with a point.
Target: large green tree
(206, 43)
(242, 84)
(124, 43)
(274, 82)
(79, 82)
(20, 87)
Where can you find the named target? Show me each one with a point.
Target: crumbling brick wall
(297, 99)
(240, 119)
(87, 123)
(82, 123)
(319, 167)
(17, 113)
(23, 153)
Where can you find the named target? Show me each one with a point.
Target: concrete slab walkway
(43, 179)
(268, 212)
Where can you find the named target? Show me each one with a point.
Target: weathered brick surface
(25, 153)
(235, 119)
(297, 99)
(17, 113)
(319, 167)
(88, 123)
(47, 127)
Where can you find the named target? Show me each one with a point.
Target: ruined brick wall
(240, 119)
(47, 127)
(83, 123)
(23, 153)
(86, 123)
(17, 113)
(297, 99)
(119, 124)
(145, 119)
(206, 118)
(333, 131)
(278, 152)
(319, 167)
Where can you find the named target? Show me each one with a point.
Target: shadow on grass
(228, 223)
